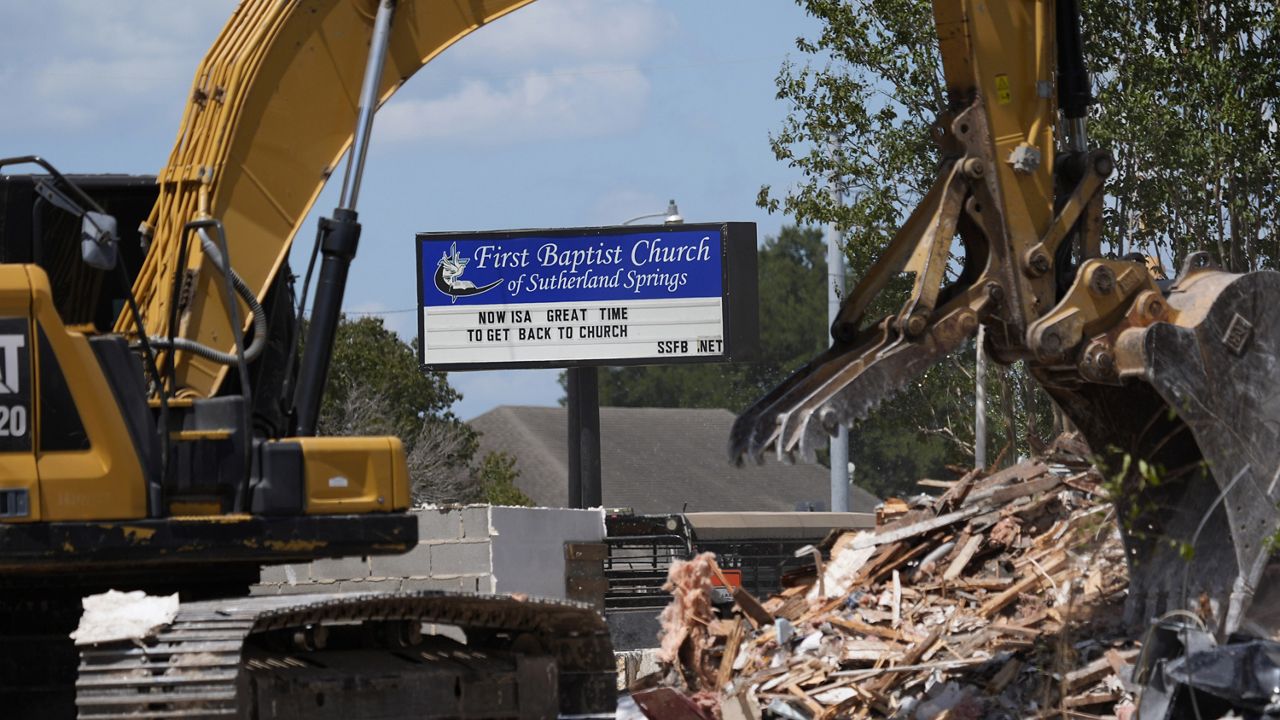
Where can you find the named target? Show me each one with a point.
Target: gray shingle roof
(653, 460)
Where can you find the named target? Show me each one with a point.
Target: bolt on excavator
(1181, 374)
(158, 417)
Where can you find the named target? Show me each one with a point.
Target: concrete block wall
(473, 549)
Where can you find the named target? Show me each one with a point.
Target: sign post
(584, 297)
(583, 393)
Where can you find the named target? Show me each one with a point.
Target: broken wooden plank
(961, 560)
(919, 528)
(1088, 699)
(1004, 676)
(862, 628)
(814, 706)
(1095, 671)
(731, 647)
(1030, 579)
(751, 607)
(955, 496)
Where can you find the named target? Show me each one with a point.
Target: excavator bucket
(1193, 438)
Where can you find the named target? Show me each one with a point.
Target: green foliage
(367, 355)
(1187, 96)
(376, 387)
(496, 475)
(863, 116)
(1127, 487)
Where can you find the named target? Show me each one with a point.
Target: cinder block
(273, 589)
(415, 562)
(461, 558)
(347, 568)
(436, 524)
(303, 588)
(387, 585)
(273, 574)
(453, 584)
(475, 523)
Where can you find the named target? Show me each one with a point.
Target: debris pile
(999, 598)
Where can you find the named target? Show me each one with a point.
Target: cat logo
(10, 356)
(448, 274)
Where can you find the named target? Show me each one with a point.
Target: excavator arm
(1179, 375)
(993, 191)
(272, 110)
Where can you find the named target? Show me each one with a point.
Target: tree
(376, 387)
(1187, 97)
(496, 475)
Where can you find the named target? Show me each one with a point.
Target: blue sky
(565, 113)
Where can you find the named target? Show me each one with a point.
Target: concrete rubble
(999, 598)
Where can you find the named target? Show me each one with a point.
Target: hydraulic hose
(259, 316)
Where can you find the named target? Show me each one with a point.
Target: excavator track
(357, 656)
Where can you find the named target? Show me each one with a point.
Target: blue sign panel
(584, 296)
(533, 268)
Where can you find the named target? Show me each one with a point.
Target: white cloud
(584, 102)
(558, 68)
(599, 31)
(70, 64)
(555, 69)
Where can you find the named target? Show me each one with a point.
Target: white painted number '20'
(13, 421)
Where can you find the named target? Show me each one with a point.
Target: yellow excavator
(1181, 374)
(158, 420)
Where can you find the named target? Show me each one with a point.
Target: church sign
(587, 296)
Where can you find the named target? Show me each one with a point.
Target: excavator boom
(272, 109)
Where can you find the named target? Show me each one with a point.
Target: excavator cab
(1173, 384)
(84, 437)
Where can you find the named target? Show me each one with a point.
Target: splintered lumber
(809, 702)
(1092, 699)
(952, 498)
(940, 614)
(962, 558)
(731, 646)
(999, 602)
(861, 628)
(919, 528)
(1097, 669)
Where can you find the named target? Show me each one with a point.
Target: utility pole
(835, 290)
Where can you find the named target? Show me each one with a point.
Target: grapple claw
(842, 386)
